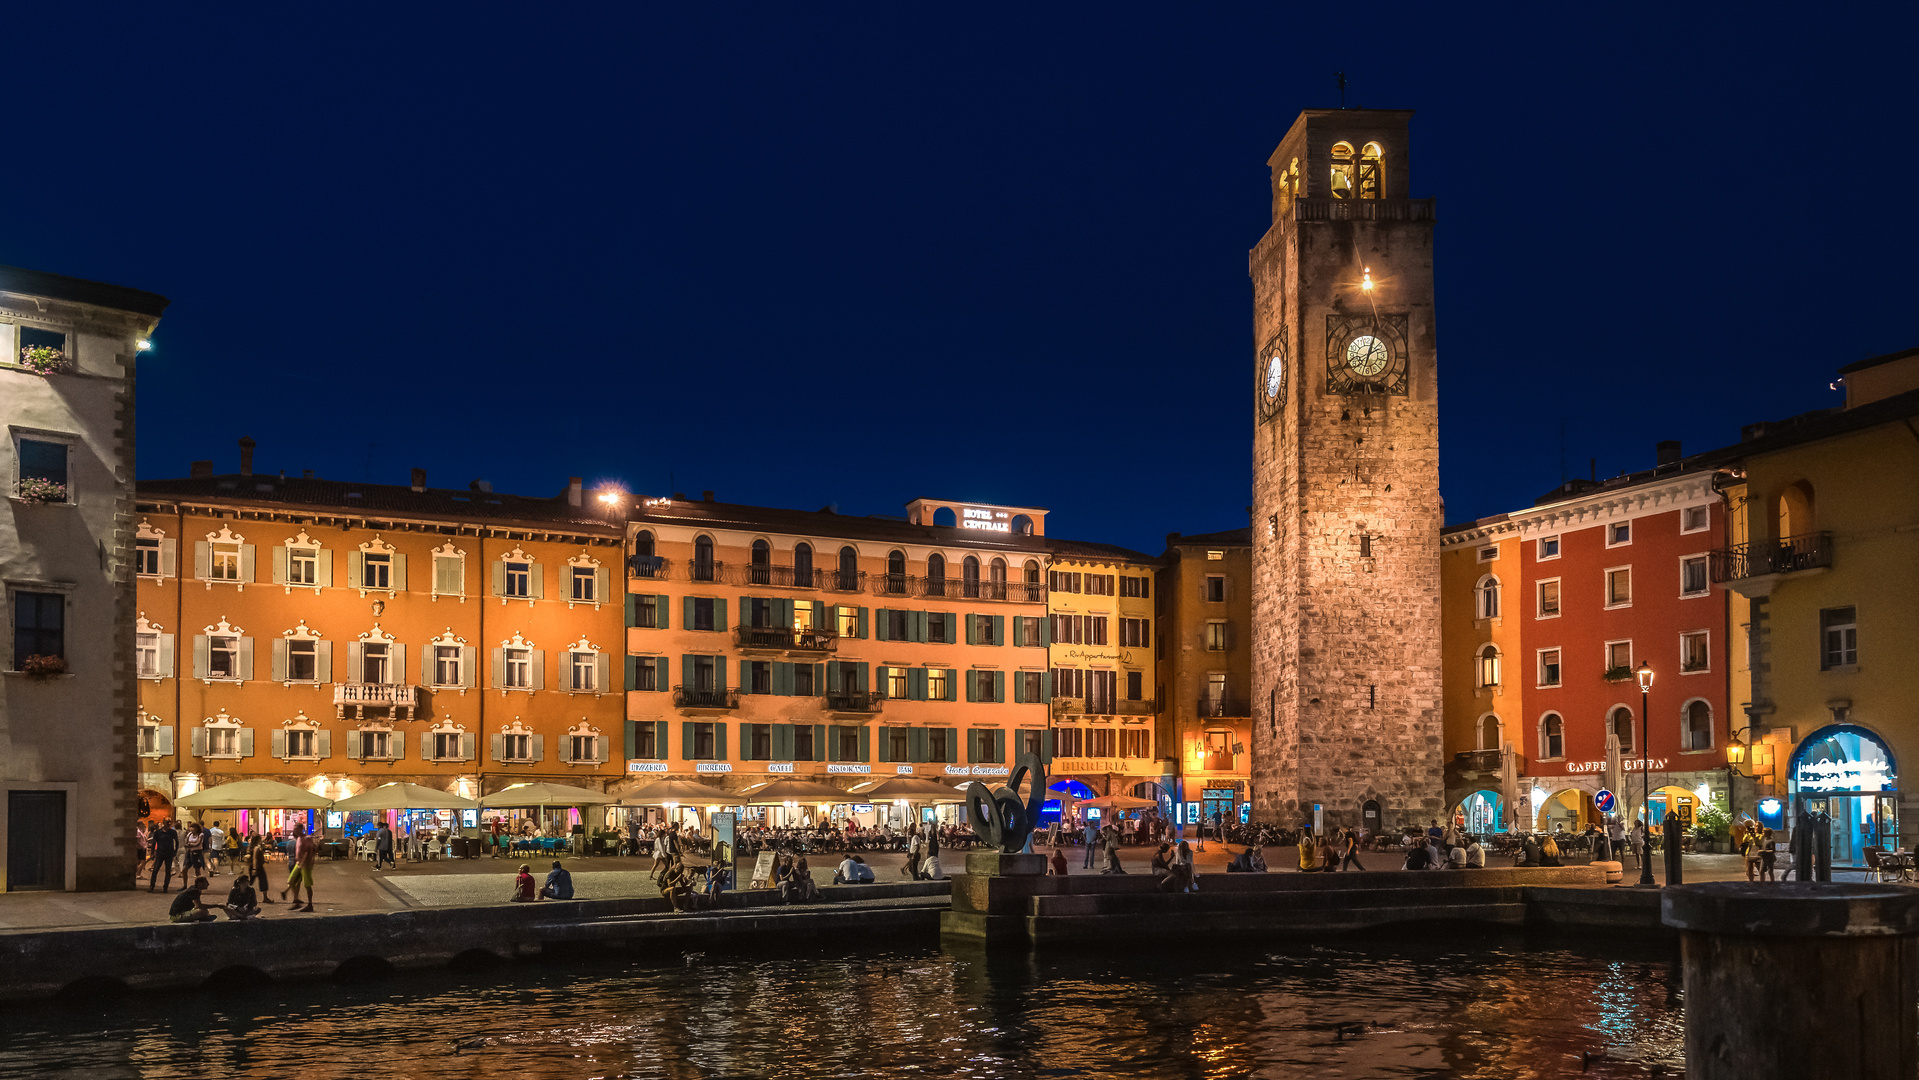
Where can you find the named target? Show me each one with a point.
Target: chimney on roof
(306, 474)
(679, 496)
(573, 491)
(200, 468)
(1668, 450)
(1171, 539)
(481, 486)
(707, 495)
(246, 456)
(419, 479)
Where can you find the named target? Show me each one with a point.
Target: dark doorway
(36, 840)
(1369, 816)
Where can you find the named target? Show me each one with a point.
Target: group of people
(558, 884)
(162, 843)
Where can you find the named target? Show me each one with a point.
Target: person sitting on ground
(1163, 862)
(799, 887)
(1256, 859)
(1456, 858)
(523, 886)
(1549, 853)
(930, 866)
(677, 886)
(1308, 854)
(559, 884)
(1419, 857)
(1059, 862)
(187, 906)
(847, 873)
(242, 901)
(1475, 854)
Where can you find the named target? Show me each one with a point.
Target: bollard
(1674, 850)
(1803, 980)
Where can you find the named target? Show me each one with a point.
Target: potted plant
(1714, 823)
(43, 667)
(39, 490)
(44, 360)
(1618, 674)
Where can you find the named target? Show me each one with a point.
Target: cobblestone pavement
(352, 887)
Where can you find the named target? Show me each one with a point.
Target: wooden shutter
(466, 746)
(1019, 630)
(279, 657)
(972, 686)
(952, 684)
(166, 656)
(324, 744)
(246, 742)
(323, 568)
(536, 587)
(246, 562)
(1046, 686)
(498, 664)
(916, 745)
(602, 673)
(280, 744)
(602, 586)
(862, 627)
(783, 742)
(999, 686)
(632, 682)
(686, 612)
(169, 558)
(660, 683)
(499, 577)
(879, 632)
(399, 666)
(426, 746)
(246, 659)
(497, 745)
(660, 751)
(202, 560)
(398, 577)
(1019, 688)
(999, 629)
(662, 617)
(719, 740)
(632, 609)
(354, 669)
(353, 746)
(719, 613)
(916, 684)
(970, 635)
(832, 744)
(972, 745)
(539, 748)
(469, 663)
(199, 742)
(279, 565)
(356, 570)
(866, 743)
(1045, 631)
(782, 679)
(539, 668)
(719, 673)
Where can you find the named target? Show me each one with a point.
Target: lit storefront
(1849, 774)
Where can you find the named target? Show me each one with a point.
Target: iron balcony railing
(845, 581)
(1223, 707)
(687, 697)
(648, 566)
(894, 585)
(710, 570)
(1483, 761)
(856, 701)
(1331, 209)
(1807, 551)
(784, 638)
(1023, 592)
(781, 577)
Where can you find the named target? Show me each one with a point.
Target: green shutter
(686, 740)
(916, 684)
(719, 673)
(999, 629)
(1046, 746)
(999, 686)
(719, 740)
(862, 686)
(1045, 630)
(686, 613)
(884, 740)
(686, 672)
(719, 613)
(969, 628)
(783, 679)
(999, 747)
(632, 677)
(879, 632)
(632, 739)
(662, 615)
(1019, 688)
(782, 741)
(919, 626)
(819, 739)
(866, 743)
(783, 613)
(659, 683)
(659, 739)
(952, 744)
(819, 679)
(833, 677)
(1019, 630)
(916, 745)
(972, 686)
(832, 746)
(823, 618)
(952, 684)
(972, 745)
(1046, 685)
(632, 609)
(862, 628)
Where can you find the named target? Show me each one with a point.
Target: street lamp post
(1645, 764)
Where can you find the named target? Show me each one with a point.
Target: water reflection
(1499, 1006)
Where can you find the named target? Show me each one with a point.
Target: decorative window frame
(517, 727)
(1540, 731)
(1480, 613)
(602, 581)
(242, 652)
(600, 748)
(535, 582)
(302, 722)
(283, 564)
(395, 740)
(1632, 721)
(242, 738)
(1479, 730)
(396, 657)
(396, 567)
(1488, 651)
(445, 551)
(1344, 328)
(430, 663)
(536, 666)
(1539, 667)
(446, 726)
(602, 667)
(165, 646)
(322, 657)
(169, 552)
(162, 734)
(247, 573)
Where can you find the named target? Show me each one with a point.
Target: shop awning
(775, 792)
(913, 789)
(679, 793)
(398, 796)
(528, 796)
(253, 795)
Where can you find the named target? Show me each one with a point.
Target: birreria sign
(973, 517)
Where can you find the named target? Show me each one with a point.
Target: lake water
(1440, 1005)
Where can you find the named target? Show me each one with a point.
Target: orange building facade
(337, 636)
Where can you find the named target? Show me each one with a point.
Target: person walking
(305, 853)
(166, 843)
(1349, 851)
(216, 849)
(1749, 851)
(1638, 843)
(195, 846)
(257, 864)
(383, 847)
(1768, 855)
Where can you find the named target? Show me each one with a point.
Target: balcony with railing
(354, 701)
(784, 639)
(853, 701)
(1135, 708)
(708, 699)
(706, 570)
(1477, 761)
(1313, 208)
(1751, 568)
(1018, 592)
(650, 567)
(844, 581)
(894, 585)
(780, 577)
(1215, 707)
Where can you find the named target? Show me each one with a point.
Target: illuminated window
(1488, 666)
(1370, 180)
(1488, 597)
(1341, 186)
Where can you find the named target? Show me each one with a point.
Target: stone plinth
(1811, 980)
(1001, 864)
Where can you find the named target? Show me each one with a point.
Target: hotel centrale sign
(1117, 766)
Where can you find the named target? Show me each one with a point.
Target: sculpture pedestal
(993, 898)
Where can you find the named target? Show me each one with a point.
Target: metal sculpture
(1003, 822)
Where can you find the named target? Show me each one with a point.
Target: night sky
(855, 254)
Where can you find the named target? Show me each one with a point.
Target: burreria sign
(973, 517)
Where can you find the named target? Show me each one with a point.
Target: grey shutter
(536, 587)
(398, 669)
(397, 743)
(499, 670)
(279, 566)
(323, 567)
(199, 742)
(539, 670)
(202, 560)
(325, 744)
(246, 562)
(353, 746)
(469, 665)
(398, 578)
(323, 662)
(166, 655)
(246, 659)
(169, 558)
(448, 576)
(466, 746)
(354, 669)
(279, 656)
(426, 746)
(602, 673)
(356, 570)
(539, 748)
(602, 588)
(497, 744)
(280, 744)
(165, 743)
(499, 578)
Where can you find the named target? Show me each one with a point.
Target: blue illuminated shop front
(1849, 774)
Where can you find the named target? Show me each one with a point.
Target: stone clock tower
(1346, 507)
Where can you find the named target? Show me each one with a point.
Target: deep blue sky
(856, 254)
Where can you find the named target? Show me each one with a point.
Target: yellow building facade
(1105, 698)
(1204, 655)
(1484, 667)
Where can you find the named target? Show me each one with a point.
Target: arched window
(1489, 732)
(643, 543)
(644, 563)
(896, 572)
(760, 571)
(1489, 666)
(1795, 511)
(803, 565)
(704, 568)
(1696, 727)
(1552, 736)
(1030, 573)
(1341, 181)
(1371, 179)
(996, 574)
(969, 577)
(1620, 724)
(849, 574)
(1022, 525)
(1487, 597)
(936, 574)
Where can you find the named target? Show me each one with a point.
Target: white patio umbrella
(401, 796)
(253, 795)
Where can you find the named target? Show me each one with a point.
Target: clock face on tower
(1269, 375)
(1366, 356)
(1275, 376)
